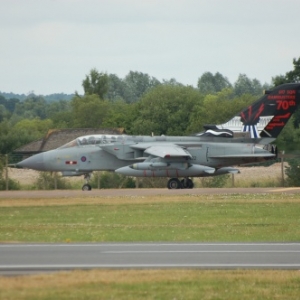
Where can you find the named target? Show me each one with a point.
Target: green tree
(119, 115)
(35, 127)
(63, 119)
(217, 109)
(211, 84)
(138, 84)
(3, 100)
(89, 111)
(171, 81)
(6, 144)
(131, 88)
(60, 113)
(289, 77)
(23, 132)
(165, 110)
(4, 114)
(245, 85)
(9, 104)
(32, 107)
(55, 107)
(117, 89)
(95, 84)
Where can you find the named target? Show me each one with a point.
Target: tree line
(140, 104)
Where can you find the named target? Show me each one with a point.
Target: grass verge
(154, 284)
(230, 218)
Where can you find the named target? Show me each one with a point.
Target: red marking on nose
(71, 162)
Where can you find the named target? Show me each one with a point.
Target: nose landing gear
(87, 186)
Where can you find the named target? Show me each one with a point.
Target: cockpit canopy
(94, 140)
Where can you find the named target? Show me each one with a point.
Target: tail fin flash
(268, 115)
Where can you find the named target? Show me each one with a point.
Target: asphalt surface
(141, 192)
(28, 258)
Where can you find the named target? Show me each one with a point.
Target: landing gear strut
(175, 183)
(87, 186)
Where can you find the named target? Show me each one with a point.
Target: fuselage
(99, 152)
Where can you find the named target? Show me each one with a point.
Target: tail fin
(268, 115)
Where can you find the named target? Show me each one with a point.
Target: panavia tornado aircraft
(244, 139)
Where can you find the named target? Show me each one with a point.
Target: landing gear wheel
(187, 183)
(86, 187)
(190, 184)
(174, 183)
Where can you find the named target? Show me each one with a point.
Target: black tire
(190, 184)
(86, 187)
(187, 184)
(174, 183)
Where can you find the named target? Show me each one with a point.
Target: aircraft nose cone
(35, 162)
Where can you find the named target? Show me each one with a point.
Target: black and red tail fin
(267, 116)
(281, 104)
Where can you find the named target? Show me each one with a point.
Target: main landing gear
(87, 186)
(175, 183)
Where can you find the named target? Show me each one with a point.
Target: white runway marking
(26, 258)
(200, 251)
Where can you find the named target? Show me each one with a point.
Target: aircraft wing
(168, 151)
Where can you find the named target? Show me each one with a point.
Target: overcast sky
(48, 46)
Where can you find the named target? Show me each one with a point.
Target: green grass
(154, 284)
(270, 217)
(230, 218)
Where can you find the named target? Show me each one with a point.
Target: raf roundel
(83, 159)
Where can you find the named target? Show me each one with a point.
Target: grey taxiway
(28, 258)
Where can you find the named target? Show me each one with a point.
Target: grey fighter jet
(246, 138)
